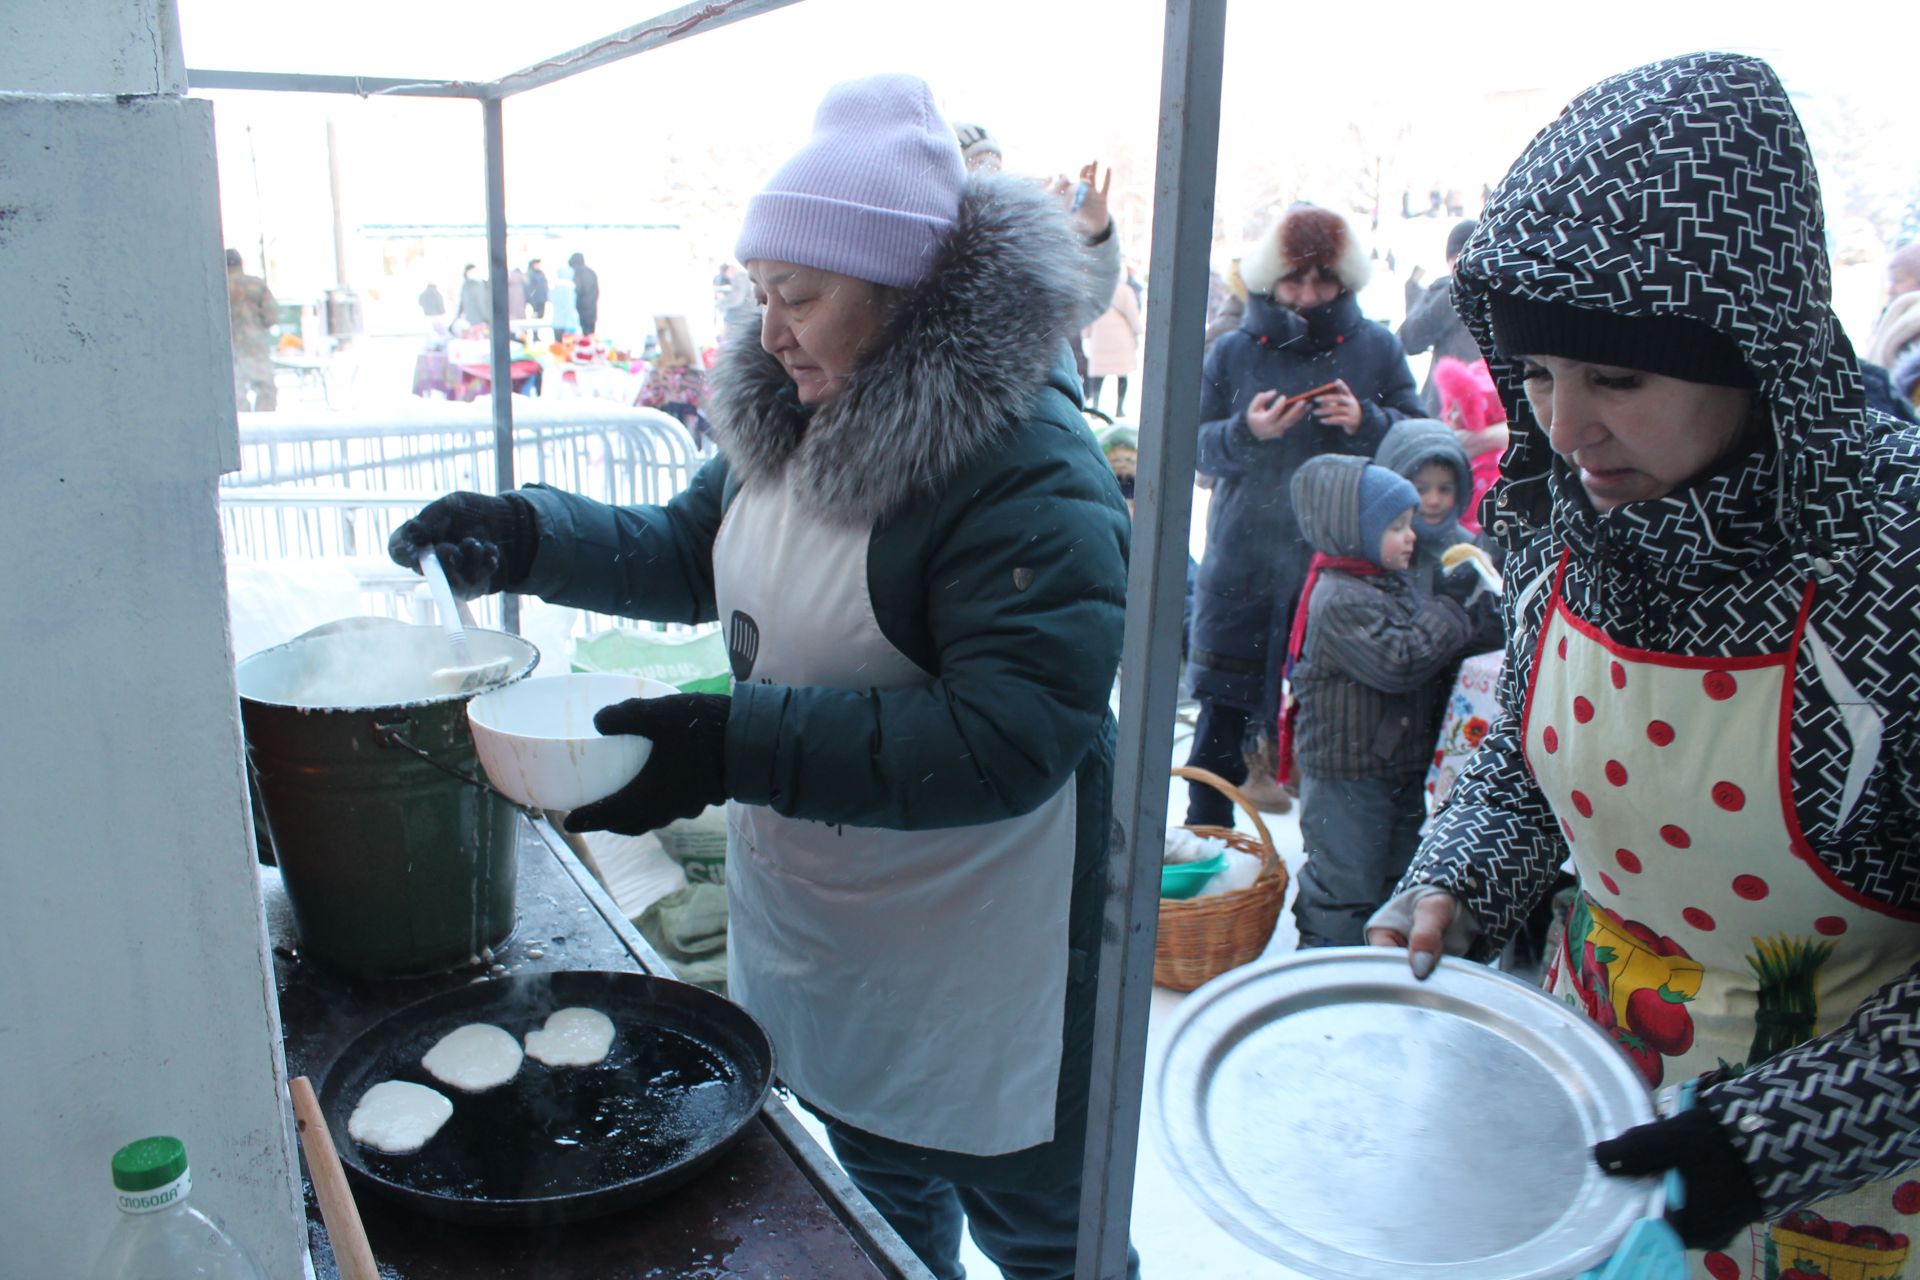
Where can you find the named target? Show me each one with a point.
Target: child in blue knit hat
(1363, 656)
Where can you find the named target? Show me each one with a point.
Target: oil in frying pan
(559, 1131)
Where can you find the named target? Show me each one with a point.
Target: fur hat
(1303, 237)
(871, 195)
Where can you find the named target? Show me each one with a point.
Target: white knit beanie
(871, 195)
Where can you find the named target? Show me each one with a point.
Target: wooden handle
(1193, 773)
(351, 1253)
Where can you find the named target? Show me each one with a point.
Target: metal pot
(398, 858)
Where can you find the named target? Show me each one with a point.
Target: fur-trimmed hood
(961, 359)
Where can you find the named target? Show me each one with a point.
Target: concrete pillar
(136, 992)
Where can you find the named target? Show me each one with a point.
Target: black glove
(1720, 1198)
(485, 544)
(1460, 584)
(685, 773)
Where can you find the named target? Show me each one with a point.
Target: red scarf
(1359, 568)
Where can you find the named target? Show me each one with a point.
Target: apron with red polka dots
(1706, 932)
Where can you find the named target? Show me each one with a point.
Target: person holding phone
(1301, 332)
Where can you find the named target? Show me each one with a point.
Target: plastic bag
(1239, 873)
(699, 845)
(692, 664)
(1187, 846)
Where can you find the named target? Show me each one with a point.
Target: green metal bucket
(398, 859)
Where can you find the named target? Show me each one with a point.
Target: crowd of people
(1648, 467)
(572, 293)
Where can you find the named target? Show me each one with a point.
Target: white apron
(913, 982)
(1707, 932)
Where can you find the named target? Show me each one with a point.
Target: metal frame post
(359, 86)
(500, 332)
(1189, 142)
(661, 29)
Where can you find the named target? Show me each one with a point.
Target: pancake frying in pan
(687, 1072)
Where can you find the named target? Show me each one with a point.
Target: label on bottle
(156, 1198)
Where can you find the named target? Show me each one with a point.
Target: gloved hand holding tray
(1348, 1121)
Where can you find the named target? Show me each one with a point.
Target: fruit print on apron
(1707, 933)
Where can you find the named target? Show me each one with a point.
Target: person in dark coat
(254, 313)
(1301, 330)
(586, 284)
(516, 295)
(1903, 379)
(476, 300)
(1881, 395)
(1432, 324)
(536, 289)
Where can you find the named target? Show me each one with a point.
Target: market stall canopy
(377, 47)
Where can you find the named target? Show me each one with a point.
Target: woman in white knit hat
(919, 557)
(1304, 374)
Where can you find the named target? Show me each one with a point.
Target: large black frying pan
(687, 1072)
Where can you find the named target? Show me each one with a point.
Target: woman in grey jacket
(919, 557)
(1711, 699)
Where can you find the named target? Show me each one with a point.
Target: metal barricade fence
(333, 487)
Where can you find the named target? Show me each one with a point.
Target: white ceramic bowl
(537, 742)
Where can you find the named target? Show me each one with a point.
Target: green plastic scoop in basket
(1184, 879)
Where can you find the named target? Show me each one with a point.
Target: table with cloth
(1470, 713)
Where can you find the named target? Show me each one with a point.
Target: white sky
(1058, 81)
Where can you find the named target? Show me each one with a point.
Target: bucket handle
(390, 735)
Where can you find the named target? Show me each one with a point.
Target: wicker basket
(1200, 938)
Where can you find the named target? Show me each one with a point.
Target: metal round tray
(1350, 1122)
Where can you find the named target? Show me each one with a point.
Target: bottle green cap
(148, 1163)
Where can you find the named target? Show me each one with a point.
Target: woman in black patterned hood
(1711, 701)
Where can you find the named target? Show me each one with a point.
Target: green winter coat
(996, 560)
(1024, 671)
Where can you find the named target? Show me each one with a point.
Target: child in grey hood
(1427, 453)
(1365, 651)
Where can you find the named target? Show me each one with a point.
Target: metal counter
(772, 1207)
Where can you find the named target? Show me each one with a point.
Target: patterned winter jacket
(1686, 188)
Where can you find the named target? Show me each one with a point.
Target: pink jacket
(1112, 342)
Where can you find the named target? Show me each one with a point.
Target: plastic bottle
(159, 1235)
